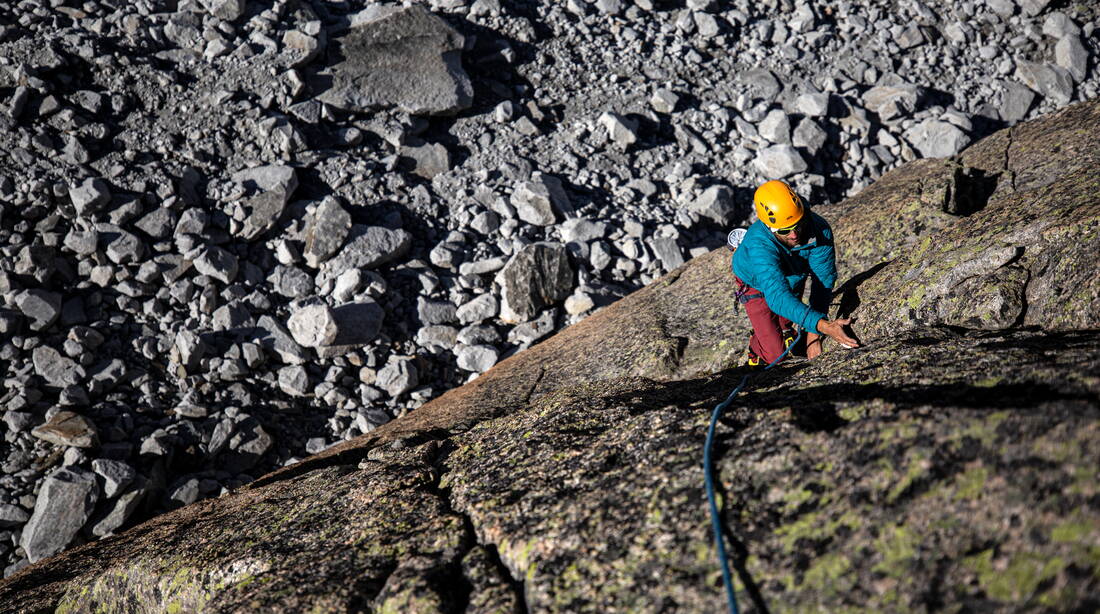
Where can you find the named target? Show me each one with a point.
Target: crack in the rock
(439, 453)
(531, 391)
(1008, 153)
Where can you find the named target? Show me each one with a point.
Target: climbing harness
(708, 473)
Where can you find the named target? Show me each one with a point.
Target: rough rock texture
(408, 58)
(943, 466)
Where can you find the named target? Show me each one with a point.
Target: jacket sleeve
(823, 267)
(778, 295)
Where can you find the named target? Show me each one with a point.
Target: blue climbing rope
(708, 472)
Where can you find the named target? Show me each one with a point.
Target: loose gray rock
(809, 135)
(12, 516)
(437, 337)
(476, 358)
(158, 223)
(776, 127)
(622, 130)
(813, 105)
(1053, 82)
(313, 326)
(478, 309)
(937, 139)
(357, 324)
(217, 263)
(1070, 54)
(116, 475)
(188, 351)
(64, 504)
(779, 161)
(892, 101)
(540, 200)
(294, 380)
(398, 376)
(381, 54)
(40, 307)
(368, 247)
(668, 251)
(275, 184)
(90, 196)
(427, 160)
(275, 338)
(435, 312)
(56, 369)
(536, 277)
(1017, 101)
(664, 101)
(121, 508)
(229, 10)
(715, 203)
(66, 428)
(326, 230)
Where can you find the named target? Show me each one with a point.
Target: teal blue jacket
(778, 272)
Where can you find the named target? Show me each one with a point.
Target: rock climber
(771, 261)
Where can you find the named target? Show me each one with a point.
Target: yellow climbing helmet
(777, 205)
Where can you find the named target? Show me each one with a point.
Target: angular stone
(398, 376)
(716, 204)
(622, 130)
(664, 101)
(188, 351)
(116, 475)
(326, 230)
(90, 196)
(313, 326)
(158, 223)
(476, 358)
(217, 263)
(382, 55)
(536, 277)
(40, 307)
(435, 312)
(427, 160)
(368, 247)
(1070, 54)
(668, 251)
(229, 10)
(65, 501)
(937, 139)
(478, 309)
(776, 127)
(121, 509)
(57, 369)
(274, 337)
(1017, 101)
(813, 105)
(357, 324)
(809, 136)
(294, 380)
(271, 187)
(12, 516)
(66, 428)
(540, 200)
(1053, 82)
(779, 161)
(893, 101)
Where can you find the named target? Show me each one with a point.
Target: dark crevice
(531, 391)
(1007, 168)
(438, 455)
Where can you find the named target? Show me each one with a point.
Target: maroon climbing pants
(767, 327)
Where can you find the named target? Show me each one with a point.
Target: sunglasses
(788, 230)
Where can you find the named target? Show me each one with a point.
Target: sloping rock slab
(408, 58)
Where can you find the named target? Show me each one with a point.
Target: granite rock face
(949, 460)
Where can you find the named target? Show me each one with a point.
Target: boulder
(408, 58)
(779, 161)
(937, 139)
(326, 230)
(536, 277)
(65, 502)
(67, 428)
(367, 247)
(270, 188)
